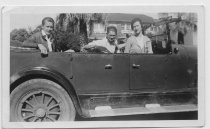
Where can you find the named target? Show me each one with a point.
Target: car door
(152, 72)
(146, 71)
(95, 73)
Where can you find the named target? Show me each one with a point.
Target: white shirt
(140, 41)
(49, 43)
(104, 43)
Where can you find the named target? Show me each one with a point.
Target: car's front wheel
(40, 100)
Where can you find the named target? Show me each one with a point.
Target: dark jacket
(36, 39)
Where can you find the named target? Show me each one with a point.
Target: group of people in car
(137, 43)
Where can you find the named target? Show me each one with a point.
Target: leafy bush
(15, 43)
(37, 29)
(19, 35)
(65, 41)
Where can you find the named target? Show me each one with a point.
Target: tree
(188, 20)
(78, 22)
(65, 41)
(185, 24)
(75, 25)
(19, 35)
(37, 29)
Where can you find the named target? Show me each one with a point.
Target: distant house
(121, 21)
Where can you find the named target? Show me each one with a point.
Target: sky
(18, 21)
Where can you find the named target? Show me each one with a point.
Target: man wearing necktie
(42, 40)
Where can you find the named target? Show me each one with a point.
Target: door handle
(135, 66)
(108, 66)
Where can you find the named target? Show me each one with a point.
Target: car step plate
(148, 109)
(152, 105)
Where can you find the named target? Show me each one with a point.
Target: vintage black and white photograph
(106, 65)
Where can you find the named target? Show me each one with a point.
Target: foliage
(78, 23)
(188, 22)
(37, 29)
(65, 41)
(15, 43)
(71, 29)
(19, 35)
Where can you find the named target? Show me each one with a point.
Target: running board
(108, 111)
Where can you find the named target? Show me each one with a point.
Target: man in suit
(42, 40)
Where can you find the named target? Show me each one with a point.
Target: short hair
(49, 19)
(135, 20)
(111, 28)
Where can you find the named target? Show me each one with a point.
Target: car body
(101, 84)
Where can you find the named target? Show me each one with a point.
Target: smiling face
(111, 36)
(137, 28)
(47, 27)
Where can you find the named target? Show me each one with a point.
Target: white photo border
(199, 9)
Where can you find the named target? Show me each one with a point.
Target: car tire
(40, 100)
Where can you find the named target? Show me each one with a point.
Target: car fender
(48, 73)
